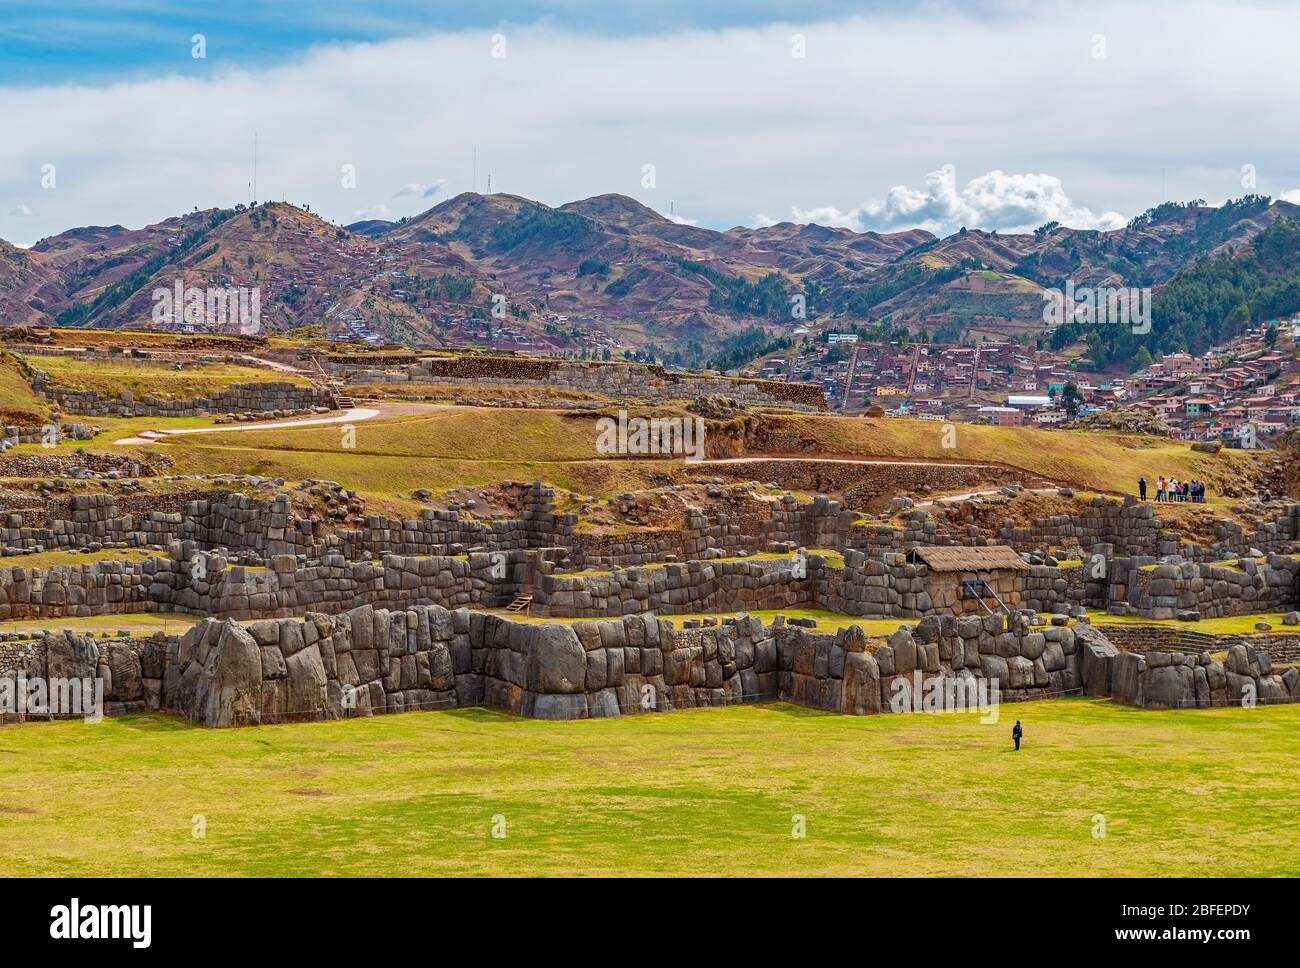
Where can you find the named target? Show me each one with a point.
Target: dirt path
(985, 493)
(354, 415)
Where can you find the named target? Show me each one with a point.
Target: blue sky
(80, 40)
(995, 114)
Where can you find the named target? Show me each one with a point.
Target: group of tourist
(1169, 489)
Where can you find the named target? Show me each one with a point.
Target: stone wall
(884, 587)
(1190, 589)
(622, 381)
(373, 660)
(260, 397)
(131, 669)
(198, 583)
(1282, 646)
(241, 524)
(1185, 680)
(1132, 528)
(693, 586)
(1053, 588)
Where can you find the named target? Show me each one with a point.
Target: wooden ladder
(523, 603)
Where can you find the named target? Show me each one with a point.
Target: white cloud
(679, 220)
(419, 190)
(20, 211)
(731, 121)
(995, 200)
(1292, 196)
(374, 211)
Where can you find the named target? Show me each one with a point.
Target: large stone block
(557, 662)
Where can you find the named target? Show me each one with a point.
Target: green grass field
(112, 377)
(473, 445)
(702, 792)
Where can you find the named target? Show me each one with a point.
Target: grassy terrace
(827, 621)
(112, 377)
(705, 792)
(467, 445)
(61, 559)
(1111, 463)
(137, 623)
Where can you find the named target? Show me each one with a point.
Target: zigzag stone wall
(189, 581)
(242, 524)
(369, 660)
(260, 397)
(194, 581)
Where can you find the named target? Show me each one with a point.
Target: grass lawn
(708, 792)
(111, 377)
(18, 402)
(828, 621)
(58, 559)
(384, 478)
(479, 433)
(1109, 462)
(1232, 625)
(142, 623)
(1087, 459)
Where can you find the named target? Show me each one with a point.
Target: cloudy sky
(872, 115)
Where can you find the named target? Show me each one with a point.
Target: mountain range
(608, 263)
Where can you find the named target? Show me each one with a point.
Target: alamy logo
(37, 696)
(651, 435)
(213, 307)
(1098, 305)
(134, 922)
(939, 694)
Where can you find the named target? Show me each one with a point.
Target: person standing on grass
(1142, 488)
(1160, 488)
(1016, 733)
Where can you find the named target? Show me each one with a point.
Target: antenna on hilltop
(253, 201)
(489, 191)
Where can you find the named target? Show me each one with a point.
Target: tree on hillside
(1071, 398)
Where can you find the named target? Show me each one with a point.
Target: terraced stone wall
(193, 582)
(259, 397)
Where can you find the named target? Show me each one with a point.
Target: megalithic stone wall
(241, 524)
(238, 398)
(1189, 680)
(373, 660)
(1169, 590)
(197, 583)
(191, 580)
